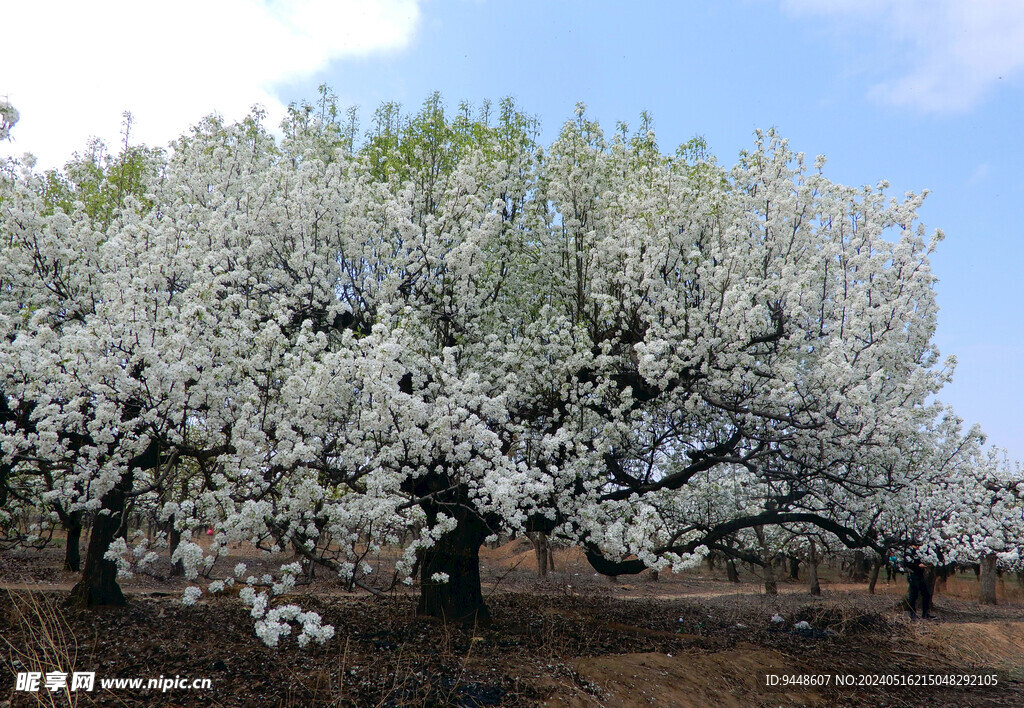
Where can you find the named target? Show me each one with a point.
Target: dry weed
(43, 644)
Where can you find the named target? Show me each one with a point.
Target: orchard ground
(572, 639)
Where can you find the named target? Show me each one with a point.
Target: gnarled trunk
(456, 555)
(98, 585)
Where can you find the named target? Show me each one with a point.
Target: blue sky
(927, 94)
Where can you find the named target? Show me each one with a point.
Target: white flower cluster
(277, 623)
(218, 586)
(130, 561)
(192, 558)
(190, 596)
(8, 117)
(274, 623)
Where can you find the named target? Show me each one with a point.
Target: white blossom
(190, 596)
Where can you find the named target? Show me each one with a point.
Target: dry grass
(978, 645)
(46, 644)
(965, 587)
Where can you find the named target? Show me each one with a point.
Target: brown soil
(572, 639)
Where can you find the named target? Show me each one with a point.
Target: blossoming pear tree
(448, 331)
(973, 516)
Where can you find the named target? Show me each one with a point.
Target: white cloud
(943, 55)
(72, 67)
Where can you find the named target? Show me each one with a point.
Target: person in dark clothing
(917, 583)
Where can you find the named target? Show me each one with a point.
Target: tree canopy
(443, 331)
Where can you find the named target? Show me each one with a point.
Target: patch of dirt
(730, 678)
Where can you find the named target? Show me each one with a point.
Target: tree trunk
(987, 580)
(173, 541)
(812, 571)
(771, 586)
(730, 571)
(876, 566)
(794, 568)
(457, 555)
(540, 550)
(931, 578)
(73, 548)
(122, 532)
(72, 523)
(98, 585)
(813, 586)
(857, 573)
